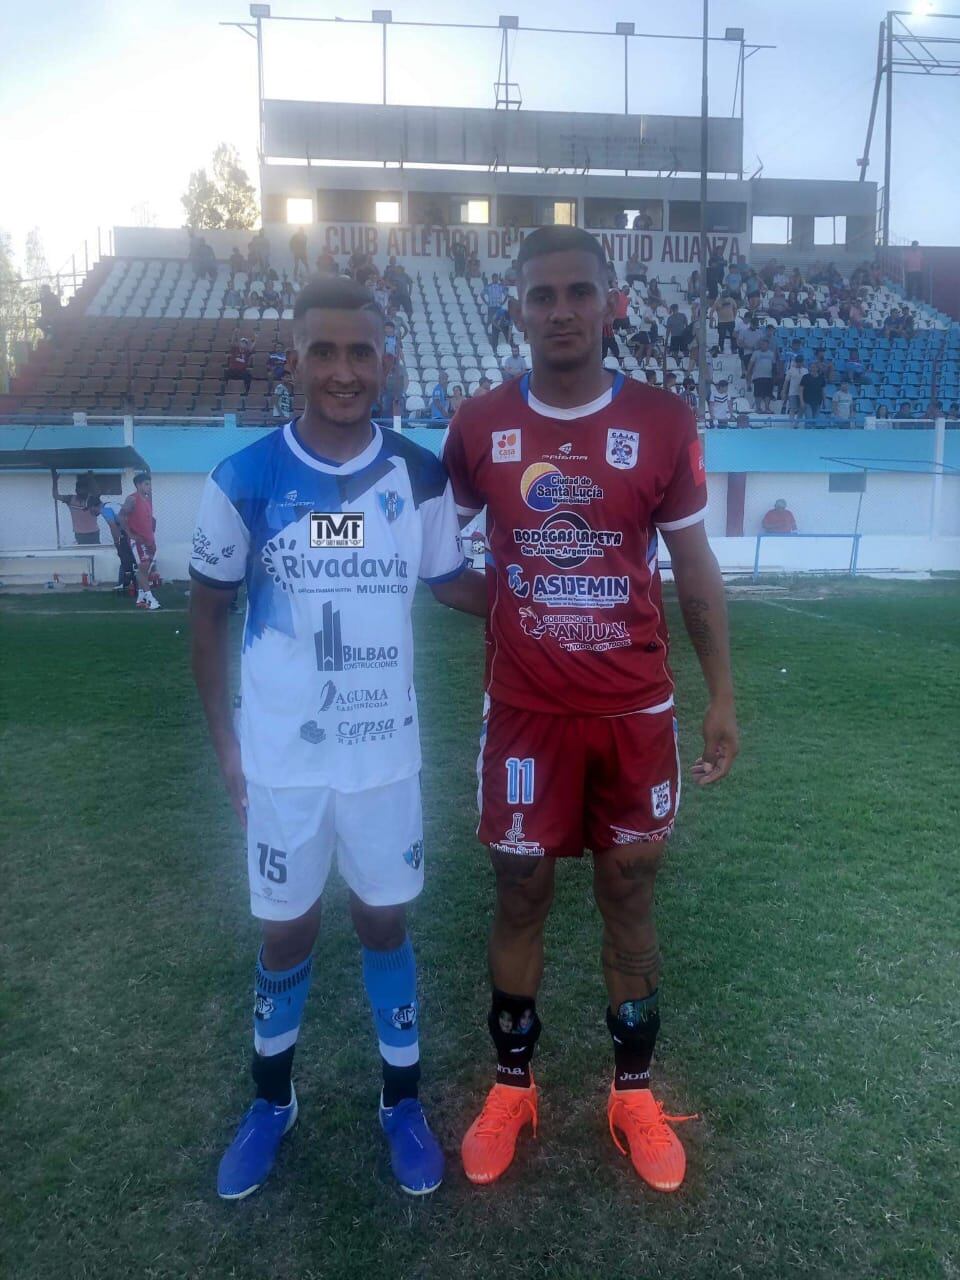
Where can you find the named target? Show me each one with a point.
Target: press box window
(848, 482)
(387, 211)
(299, 210)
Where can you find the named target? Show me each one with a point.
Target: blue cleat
(250, 1156)
(415, 1155)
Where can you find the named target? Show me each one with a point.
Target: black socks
(515, 1029)
(634, 1030)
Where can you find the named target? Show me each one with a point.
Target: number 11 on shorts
(519, 780)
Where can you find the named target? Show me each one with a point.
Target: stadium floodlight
(508, 22)
(733, 33)
(259, 11)
(381, 15)
(625, 29)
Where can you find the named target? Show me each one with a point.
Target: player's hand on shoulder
(721, 743)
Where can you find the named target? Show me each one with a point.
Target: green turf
(810, 924)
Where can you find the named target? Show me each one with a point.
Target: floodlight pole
(888, 137)
(704, 142)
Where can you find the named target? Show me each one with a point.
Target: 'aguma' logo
(352, 699)
(336, 530)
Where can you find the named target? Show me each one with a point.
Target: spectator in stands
(287, 292)
(933, 410)
(724, 310)
(327, 264)
(688, 394)
(676, 329)
(50, 309)
(400, 327)
(232, 297)
(239, 364)
(811, 391)
(906, 410)
(733, 281)
(392, 347)
(514, 366)
(277, 362)
(271, 299)
(621, 310)
(456, 399)
(608, 343)
(854, 367)
(642, 221)
(381, 294)
(954, 411)
(483, 387)
(620, 221)
(254, 302)
(439, 406)
(882, 412)
(494, 295)
(400, 287)
(778, 306)
(693, 287)
(237, 262)
(459, 255)
(749, 336)
(395, 383)
(760, 373)
(139, 524)
(298, 248)
(654, 296)
(86, 531)
(913, 270)
(779, 519)
(282, 399)
(510, 275)
(670, 383)
(202, 258)
(842, 406)
(635, 271)
(790, 391)
(474, 270)
(258, 253)
(716, 267)
(719, 404)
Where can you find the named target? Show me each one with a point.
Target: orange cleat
(490, 1143)
(654, 1148)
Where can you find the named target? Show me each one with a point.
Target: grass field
(810, 920)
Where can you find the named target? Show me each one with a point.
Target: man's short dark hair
(559, 240)
(334, 293)
(139, 478)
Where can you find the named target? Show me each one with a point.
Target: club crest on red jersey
(505, 445)
(623, 448)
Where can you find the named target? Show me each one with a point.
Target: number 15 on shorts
(520, 775)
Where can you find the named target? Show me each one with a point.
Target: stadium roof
(103, 459)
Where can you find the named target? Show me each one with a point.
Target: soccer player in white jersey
(330, 522)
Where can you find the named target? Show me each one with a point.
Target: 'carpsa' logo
(352, 733)
(544, 488)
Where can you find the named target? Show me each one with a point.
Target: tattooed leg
(623, 885)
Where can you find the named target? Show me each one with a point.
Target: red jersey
(574, 498)
(139, 515)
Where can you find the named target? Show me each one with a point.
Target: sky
(109, 104)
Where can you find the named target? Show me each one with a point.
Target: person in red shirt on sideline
(580, 469)
(137, 521)
(779, 519)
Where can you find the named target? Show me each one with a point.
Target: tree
(227, 200)
(35, 263)
(17, 321)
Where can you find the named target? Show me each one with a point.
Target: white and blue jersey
(330, 554)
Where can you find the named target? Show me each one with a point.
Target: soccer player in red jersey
(579, 470)
(138, 522)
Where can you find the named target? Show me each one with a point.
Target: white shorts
(292, 833)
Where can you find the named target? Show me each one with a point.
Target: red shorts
(554, 785)
(144, 553)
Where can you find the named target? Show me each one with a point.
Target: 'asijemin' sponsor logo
(566, 540)
(570, 590)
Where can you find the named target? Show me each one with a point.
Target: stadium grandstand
(428, 206)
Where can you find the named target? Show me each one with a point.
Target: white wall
(896, 503)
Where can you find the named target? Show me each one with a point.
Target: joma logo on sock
(404, 1017)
